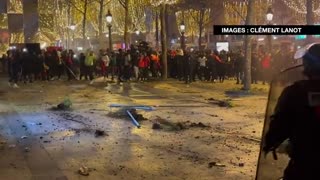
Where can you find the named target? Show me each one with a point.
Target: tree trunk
(84, 21)
(126, 23)
(164, 40)
(309, 19)
(166, 22)
(157, 30)
(68, 27)
(247, 70)
(101, 2)
(201, 16)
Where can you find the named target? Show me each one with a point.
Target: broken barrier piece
(140, 107)
(134, 121)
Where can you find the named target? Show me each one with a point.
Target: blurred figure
(105, 61)
(14, 68)
(179, 60)
(202, 65)
(120, 64)
(83, 70)
(135, 64)
(239, 67)
(68, 61)
(254, 67)
(113, 65)
(4, 63)
(221, 65)
(89, 63)
(144, 64)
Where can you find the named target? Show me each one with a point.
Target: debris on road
(26, 149)
(139, 107)
(221, 103)
(133, 118)
(84, 171)
(65, 105)
(241, 164)
(12, 146)
(24, 137)
(3, 142)
(99, 133)
(156, 125)
(171, 126)
(137, 116)
(199, 124)
(211, 164)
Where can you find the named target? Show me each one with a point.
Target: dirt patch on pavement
(163, 124)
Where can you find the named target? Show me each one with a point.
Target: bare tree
(125, 5)
(164, 40)
(82, 7)
(248, 47)
(102, 4)
(309, 17)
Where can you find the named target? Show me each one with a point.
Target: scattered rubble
(199, 124)
(171, 126)
(137, 116)
(211, 164)
(221, 103)
(99, 133)
(12, 146)
(156, 125)
(84, 171)
(63, 106)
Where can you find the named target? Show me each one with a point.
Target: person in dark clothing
(254, 67)
(179, 60)
(68, 62)
(239, 67)
(297, 118)
(59, 67)
(4, 60)
(27, 65)
(15, 67)
(83, 72)
(37, 65)
(127, 65)
(135, 64)
(187, 67)
(211, 67)
(120, 64)
(194, 65)
(221, 65)
(172, 61)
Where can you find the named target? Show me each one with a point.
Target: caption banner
(266, 30)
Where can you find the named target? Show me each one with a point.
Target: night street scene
(144, 89)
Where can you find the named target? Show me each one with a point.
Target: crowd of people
(140, 65)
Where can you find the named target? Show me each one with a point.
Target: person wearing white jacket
(202, 65)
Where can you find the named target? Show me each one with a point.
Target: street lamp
(109, 21)
(182, 30)
(137, 32)
(269, 17)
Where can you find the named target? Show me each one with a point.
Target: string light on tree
(299, 6)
